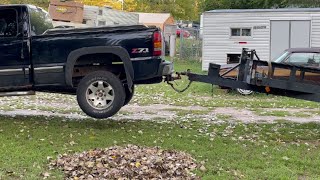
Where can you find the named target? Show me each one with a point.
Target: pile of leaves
(130, 162)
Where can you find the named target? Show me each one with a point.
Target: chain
(178, 90)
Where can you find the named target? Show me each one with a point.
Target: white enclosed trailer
(269, 31)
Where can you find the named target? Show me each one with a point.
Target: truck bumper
(166, 68)
(152, 71)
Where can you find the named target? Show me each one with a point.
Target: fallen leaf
(130, 162)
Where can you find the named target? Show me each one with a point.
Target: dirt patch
(53, 105)
(248, 116)
(171, 113)
(21, 112)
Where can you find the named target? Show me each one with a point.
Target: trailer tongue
(262, 76)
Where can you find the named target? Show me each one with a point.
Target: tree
(257, 4)
(41, 3)
(181, 9)
(115, 4)
(128, 5)
(304, 3)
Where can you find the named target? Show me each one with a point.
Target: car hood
(228, 66)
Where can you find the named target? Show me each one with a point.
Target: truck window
(8, 23)
(40, 21)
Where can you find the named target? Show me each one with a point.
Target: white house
(269, 31)
(106, 16)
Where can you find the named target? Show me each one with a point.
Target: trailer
(260, 76)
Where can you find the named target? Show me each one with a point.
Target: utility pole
(122, 4)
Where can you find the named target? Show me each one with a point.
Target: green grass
(254, 151)
(223, 117)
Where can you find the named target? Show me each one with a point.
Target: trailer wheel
(244, 92)
(100, 94)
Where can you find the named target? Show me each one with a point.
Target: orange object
(268, 89)
(68, 11)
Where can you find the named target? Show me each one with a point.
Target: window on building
(235, 32)
(8, 23)
(241, 32)
(100, 12)
(84, 21)
(233, 58)
(246, 32)
(101, 23)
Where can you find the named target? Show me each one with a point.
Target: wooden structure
(67, 11)
(156, 19)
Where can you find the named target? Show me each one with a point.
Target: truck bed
(96, 29)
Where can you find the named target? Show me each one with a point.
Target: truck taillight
(157, 43)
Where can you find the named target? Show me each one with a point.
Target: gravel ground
(44, 104)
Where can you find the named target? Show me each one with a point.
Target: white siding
(90, 15)
(217, 42)
(109, 16)
(315, 32)
(115, 17)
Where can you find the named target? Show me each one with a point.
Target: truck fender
(116, 50)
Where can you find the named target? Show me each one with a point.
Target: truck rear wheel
(100, 94)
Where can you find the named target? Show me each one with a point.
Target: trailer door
(289, 34)
(300, 34)
(280, 37)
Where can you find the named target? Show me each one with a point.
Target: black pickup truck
(99, 65)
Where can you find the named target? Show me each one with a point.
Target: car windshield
(281, 58)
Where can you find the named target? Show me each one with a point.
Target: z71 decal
(140, 50)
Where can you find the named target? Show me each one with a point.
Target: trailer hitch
(170, 79)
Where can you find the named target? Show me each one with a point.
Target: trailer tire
(100, 94)
(244, 92)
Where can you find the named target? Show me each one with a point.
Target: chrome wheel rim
(244, 92)
(100, 95)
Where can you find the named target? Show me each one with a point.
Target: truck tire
(100, 94)
(129, 95)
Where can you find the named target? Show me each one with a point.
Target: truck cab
(17, 25)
